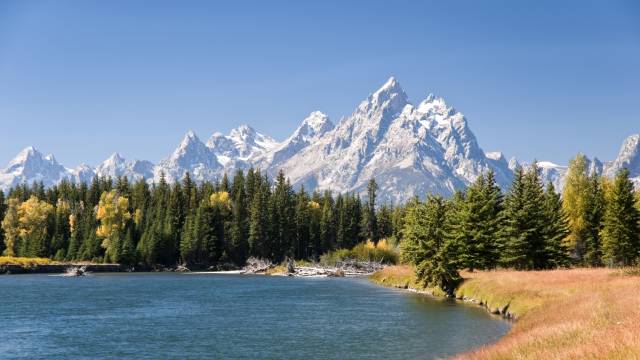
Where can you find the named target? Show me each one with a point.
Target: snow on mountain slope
(409, 150)
(554, 173)
(83, 173)
(116, 166)
(462, 152)
(31, 166)
(628, 157)
(310, 130)
(192, 155)
(240, 148)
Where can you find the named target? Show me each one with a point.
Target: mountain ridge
(410, 150)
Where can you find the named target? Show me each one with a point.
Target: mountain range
(410, 149)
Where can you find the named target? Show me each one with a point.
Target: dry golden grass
(402, 277)
(561, 314)
(23, 261)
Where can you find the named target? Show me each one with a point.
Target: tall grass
(24, 261)
(367, 251)
(561, 314)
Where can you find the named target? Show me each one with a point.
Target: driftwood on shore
(257, 266)
(347, 267)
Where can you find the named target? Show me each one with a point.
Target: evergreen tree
(523, 243)
(385, 222)
(556, 229)
(594, 213)
(327, 224)
(258, 224)
(239, 247)
(474, 223)
(427, 248)
(3, 209)
(370, 225)
(621, 231)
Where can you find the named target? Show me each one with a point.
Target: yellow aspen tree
(11, 227)
(220, 200)
(33, 216)
(113, 214)
(574, 203)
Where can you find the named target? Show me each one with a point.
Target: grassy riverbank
(561, 314)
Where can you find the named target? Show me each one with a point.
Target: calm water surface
(204, 316)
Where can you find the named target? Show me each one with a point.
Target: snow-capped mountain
(409, 149)
(30, 166)
(312, 128)
(192, 155)
(239, 149)
(116, 166)
(628, 157)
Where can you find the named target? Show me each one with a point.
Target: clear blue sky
(536, 79)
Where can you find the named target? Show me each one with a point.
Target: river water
(205, 316)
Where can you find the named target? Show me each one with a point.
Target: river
(205, 316)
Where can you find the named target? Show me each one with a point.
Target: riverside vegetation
(210, 225)
(594, 223)
(520, 242)
(221, 224)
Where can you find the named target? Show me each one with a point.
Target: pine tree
(427, 248)
(282, 210)
(556, 229)
(385, 222)
(3, 209)
(315, 234)
(475, 222)
(327, 224)
(594, 206)
(523, 243)
(621, 231)
(370, 224)
(302, 224)
(258, 224)
(239, 247)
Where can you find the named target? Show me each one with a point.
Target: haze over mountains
(410, 149)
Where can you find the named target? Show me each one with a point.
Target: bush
(367, 251)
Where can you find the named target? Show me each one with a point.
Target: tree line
(210, 223)
(595, 222)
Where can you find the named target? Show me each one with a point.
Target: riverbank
(59, 268)
(560, 314)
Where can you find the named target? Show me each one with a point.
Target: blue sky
(536, 79)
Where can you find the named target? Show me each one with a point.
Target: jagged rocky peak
(433, 105)
(390, 96)
(30, 159)
(24, 156)
(31, 165)
(314, 125)
(114, 160)
(495, 155)
(249, 142)
(628, 157)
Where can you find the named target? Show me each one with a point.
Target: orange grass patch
(562, 314)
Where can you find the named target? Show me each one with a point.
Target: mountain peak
(389, 98)
(115, 158)
(25, 155)
(391, 87)
(318, 121)
(242, 132)
(189, 138)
